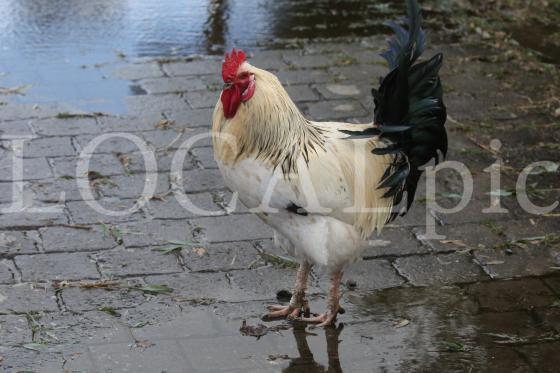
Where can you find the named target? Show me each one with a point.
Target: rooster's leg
(333, 305)
(298, 303)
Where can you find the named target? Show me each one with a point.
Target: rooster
(326, 187)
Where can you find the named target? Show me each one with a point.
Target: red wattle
(231, 99)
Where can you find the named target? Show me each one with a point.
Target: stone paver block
(122, 210)
(364, 75)
(6, 191)
(180, 84)
(330, 110)
(168, 139)
(341, 91)
(220, 257)
(195, 287)
(115, 145)
(153, 104)
(51, 214)
(136, 163)
(309, 61)
(192, 118)
(25, 297)
(136, 261)
(63, 266)
(20, 359)
(58, 190)
(290, 77)
(439, 269)
(19, 242)
(91, 326)
(301, 93)
(155, 232)
(44, 147)
(369, 275)
(75, 239)
(519, 261)
(201, 67)
(14, 329)
(268, 60)
(233, 228)
(138, 71)
(393, 242)
(205, 157)
(202, 99)
(202, 180)
(77, 299)
(15, 128)
(205, 204)
(461, 237)
(66, 127)
(33, 169)
(501, 296)
(127, 124)
(103, 164)
(7, 272)
(132, 186)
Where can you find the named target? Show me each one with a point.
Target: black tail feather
(409, 109)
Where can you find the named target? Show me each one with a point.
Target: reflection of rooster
(324, 186)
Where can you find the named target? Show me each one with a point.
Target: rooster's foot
(324, 319)
(278, 311)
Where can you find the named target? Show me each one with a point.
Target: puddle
(498, 327)
(66, 50)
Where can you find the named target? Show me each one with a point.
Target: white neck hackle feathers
(269, 127)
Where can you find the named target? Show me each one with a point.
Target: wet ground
(81, 291)
(65, 51)
(509, 326)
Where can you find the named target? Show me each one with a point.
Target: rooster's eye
(243, 75)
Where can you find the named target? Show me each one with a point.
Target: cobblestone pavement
(83, 291)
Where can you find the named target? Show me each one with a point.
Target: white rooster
(325, 187)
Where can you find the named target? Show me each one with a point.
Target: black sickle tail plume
(409, 109)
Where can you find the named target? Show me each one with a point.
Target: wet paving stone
(138, 71)
(440, 269)
(512, 295)
(394, 242)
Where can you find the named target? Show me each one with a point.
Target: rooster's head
(239, 83)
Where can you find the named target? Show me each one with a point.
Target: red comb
(231, 65)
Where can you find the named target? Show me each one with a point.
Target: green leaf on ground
(166, 250)
(501, 193)
(453, 346)
(110, 310)
(34, 346)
